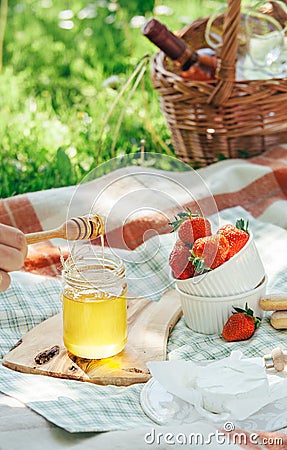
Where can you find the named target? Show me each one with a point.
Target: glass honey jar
(94, 306)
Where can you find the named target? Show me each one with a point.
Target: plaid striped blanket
(137, 203)
(259, 185)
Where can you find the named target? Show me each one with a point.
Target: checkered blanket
(258, 186)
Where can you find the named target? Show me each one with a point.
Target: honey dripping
(102, 249)
(94, 300)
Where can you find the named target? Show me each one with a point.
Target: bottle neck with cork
(198, 65)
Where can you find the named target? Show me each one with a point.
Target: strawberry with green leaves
(237, 236)
(209, 252)
(190, 226)
(179, 262)
(241, 325)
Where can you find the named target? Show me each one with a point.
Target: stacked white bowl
(207, 300)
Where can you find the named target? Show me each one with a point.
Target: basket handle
(227, 70)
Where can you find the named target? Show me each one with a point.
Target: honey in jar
(94, 306)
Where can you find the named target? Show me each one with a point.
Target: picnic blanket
(259, 185)
(132, 200)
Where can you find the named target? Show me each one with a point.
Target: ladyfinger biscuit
(274, 302)
(278, 320)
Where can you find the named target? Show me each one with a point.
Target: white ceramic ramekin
(242, 272)
(208, 314)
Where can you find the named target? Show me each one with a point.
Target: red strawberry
(209, 252)
(188, 272)
(190, 226)
(241, 325)
(179, 261)
(237, 236)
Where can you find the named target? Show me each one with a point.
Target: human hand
(13, 251)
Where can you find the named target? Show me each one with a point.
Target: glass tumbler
(94, 306)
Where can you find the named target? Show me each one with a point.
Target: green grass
(55, 92)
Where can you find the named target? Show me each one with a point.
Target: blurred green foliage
(64, 64)
(137, 7)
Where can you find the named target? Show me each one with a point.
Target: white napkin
(230, 388)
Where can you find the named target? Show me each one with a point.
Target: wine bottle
(195, 65)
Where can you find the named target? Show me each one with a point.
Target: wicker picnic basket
(223, 118)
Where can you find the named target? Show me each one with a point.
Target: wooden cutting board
(41, 350)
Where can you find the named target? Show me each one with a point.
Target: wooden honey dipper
(77, 228)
